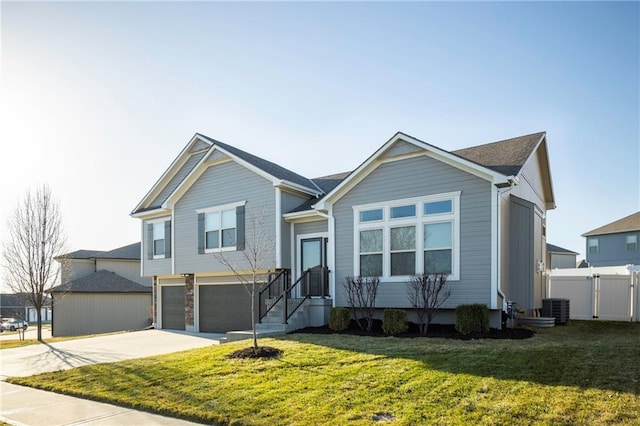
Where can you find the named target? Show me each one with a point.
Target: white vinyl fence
(605, 293)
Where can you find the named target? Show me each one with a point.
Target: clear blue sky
(99, 98)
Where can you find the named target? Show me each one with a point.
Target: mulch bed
(260, 352)
(435, 330)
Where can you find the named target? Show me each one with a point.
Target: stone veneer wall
(188, 303)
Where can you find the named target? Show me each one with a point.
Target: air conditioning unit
(556, 308)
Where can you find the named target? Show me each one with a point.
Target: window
(158, 239)
(221, 228)
(370, 215)
(632, 243)
(403, 250)
(371, 253)
(594, 247)
(400, 238)
(438, 247)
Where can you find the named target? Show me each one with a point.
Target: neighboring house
(14, 306)
(560, 258)
(476, 214)
(101, 291)
(614, 244)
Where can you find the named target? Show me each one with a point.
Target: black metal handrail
(274, 289)
(304, 283)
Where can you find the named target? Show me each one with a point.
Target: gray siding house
(560, 258)
(614, 244)
(477, 214)
(100, 292)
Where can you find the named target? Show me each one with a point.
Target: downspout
(512, 182)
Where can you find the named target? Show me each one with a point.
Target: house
(15, 306)
(560, 258)
(100, 292)
(614, 244)
(477, 214)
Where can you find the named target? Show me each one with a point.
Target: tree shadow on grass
(583, 356)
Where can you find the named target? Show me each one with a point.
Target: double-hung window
(158, 239)
(632, 243)
(594, 246)
(400, 238)
(221, 228)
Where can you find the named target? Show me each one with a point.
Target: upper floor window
(594, 246)
(221, 228)
(158, 240)
(400, 238)
(632, 243)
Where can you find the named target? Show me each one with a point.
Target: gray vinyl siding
(416, 177)
(76, 314)
(288, 203)
(73, 269)
(562, 260)
(401, 148)
(129, 269)
(153, 267)
(613, 250)
(222, 184)
(177, 178)
(315, 227)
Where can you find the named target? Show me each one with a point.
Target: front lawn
(583, 373)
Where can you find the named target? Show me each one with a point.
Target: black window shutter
(200, 233)
(167, 239)
(240, 228)
(149, 241)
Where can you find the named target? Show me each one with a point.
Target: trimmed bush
(339, 319)
(394, 321)
(472, 318)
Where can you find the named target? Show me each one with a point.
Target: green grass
(583, 373)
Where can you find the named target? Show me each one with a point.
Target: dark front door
(313, 261)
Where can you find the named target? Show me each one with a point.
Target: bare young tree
(427, 293)
(361, 294)
(248, 265)
(36, 236)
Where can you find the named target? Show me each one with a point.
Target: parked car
(12, 324)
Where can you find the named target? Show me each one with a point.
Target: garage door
(173, 307)
(224, 308)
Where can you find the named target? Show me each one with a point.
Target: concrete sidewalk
(26, 406)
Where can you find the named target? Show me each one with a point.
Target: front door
(313, 263)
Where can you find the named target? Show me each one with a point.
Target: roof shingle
(626, 224)
(506, 156)
(101, 282)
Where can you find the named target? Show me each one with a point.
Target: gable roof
(557, 249)
(626, 224)
(101, 282)
(128, 252)
(497, 161)
(195, 159)
(507, 156)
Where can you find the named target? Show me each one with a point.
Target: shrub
(427, 293)
(472, 318)
(361, 293)
(339, 319)
(394, 321)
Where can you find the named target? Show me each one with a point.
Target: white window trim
(418, 221)
(216, 209)
(154, 222)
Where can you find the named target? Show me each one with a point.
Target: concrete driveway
(35, 359)
(26, 406)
